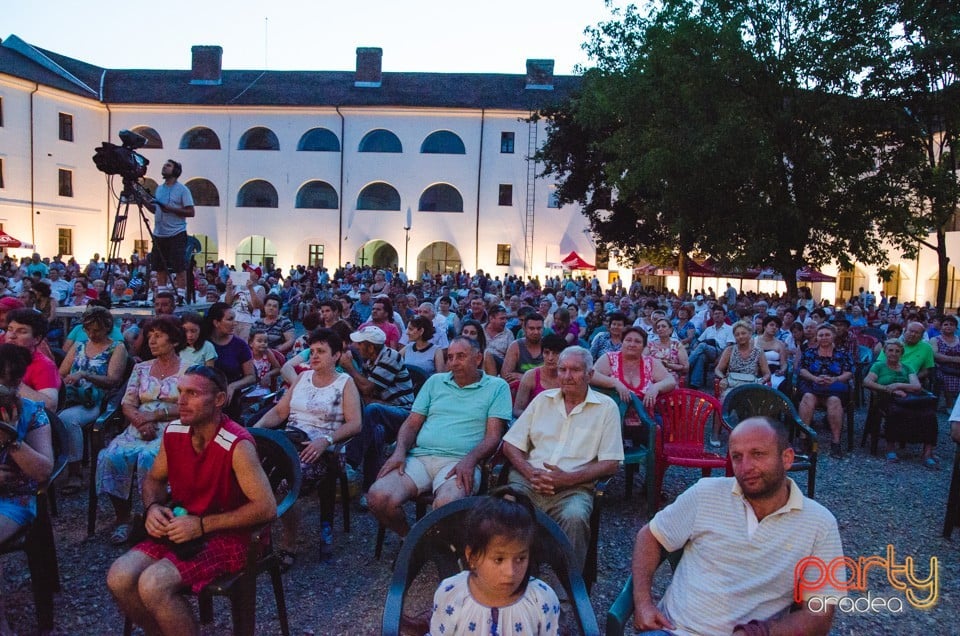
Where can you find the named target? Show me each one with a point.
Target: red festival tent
(574, 261)
(810, 275)
(7, 241)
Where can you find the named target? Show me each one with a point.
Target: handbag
(735, 379)
(913, 401)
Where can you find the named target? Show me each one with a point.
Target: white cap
(370, 333)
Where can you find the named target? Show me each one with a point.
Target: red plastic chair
(685, 415)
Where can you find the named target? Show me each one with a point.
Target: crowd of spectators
(439, 366)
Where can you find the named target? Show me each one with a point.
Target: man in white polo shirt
(742, 539)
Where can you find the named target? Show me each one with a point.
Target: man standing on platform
(172, 205)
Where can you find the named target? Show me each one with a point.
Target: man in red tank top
(218, 491)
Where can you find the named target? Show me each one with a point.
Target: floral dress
(669, 352)
(949, 373)
(129, 452)
(456, 612)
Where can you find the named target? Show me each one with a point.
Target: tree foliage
(917, 80)
(733, 127)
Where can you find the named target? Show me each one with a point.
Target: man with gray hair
(564, 441)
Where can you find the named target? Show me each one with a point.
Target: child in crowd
(497, 595)
(266, 361)
(199, 350)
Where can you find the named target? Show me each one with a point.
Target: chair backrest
(281, 464)
(438, 538)
(686, 413)
(751, 400)
(418, 377)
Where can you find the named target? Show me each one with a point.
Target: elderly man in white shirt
(710, 345)
(564, 441)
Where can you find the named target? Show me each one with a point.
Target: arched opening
(893, 278)
(319, 140)
(258, 250)
(200, 138)
(378, 254)
(952, 299)
(257, 194)
(208, 249)
(378, 196)
(441, 197)
(152, 136)
(259, 138)
(439, 257)
(380, 140)
(150, 185)
(849, 282)
(203, 192)
(318, 195)
(443, 142)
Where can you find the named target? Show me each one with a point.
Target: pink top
(646, 372)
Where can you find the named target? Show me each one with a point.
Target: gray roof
(278, 88)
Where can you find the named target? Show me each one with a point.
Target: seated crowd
(413, 386)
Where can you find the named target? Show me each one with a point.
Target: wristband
(147, 511)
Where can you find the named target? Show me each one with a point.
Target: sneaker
(714, 443)
(892, 457)
(363, 504)
(931, 463)
(326, 533)
(835, 451)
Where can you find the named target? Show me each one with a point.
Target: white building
(292, 167)
(319, 166)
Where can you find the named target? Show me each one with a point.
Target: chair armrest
(618, 616)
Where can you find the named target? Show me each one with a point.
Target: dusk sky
(493, 36)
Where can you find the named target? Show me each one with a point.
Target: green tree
(917, 80)
(731, 127)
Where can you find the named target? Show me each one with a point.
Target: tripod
(135, 193)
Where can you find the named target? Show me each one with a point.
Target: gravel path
(876, 504)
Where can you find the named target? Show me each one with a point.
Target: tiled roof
(280, 88)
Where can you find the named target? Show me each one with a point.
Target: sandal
(287, 559)
(931, 463)
(121, 534)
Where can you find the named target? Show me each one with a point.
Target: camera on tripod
(123, 160)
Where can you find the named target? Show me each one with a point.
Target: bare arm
(406, 439)
(287, 344)
(439, 361)
(509, 369)
(249, 377)
(279, 413)
(646, 558)
(723, 363)
(49, 397)
(523, 393)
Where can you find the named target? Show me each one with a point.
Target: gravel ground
(876, 504)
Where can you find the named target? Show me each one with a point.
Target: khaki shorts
(430, 472)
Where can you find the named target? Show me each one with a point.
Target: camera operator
(172, 205)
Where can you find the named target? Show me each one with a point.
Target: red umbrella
(7, 241)
(810, 275)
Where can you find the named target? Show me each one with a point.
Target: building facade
(417, 170)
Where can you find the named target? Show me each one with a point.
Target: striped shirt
(391, 377)
(729, 575)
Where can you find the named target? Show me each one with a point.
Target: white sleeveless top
(317, 411)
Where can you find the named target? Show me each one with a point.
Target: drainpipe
(343, 147)
(476, 242)
(109, 200)
(33, 203)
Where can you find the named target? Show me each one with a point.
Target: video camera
(123, 160)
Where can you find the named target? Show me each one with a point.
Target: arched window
(258, 138)
(257, 250)
(153, 137)
(441, 197)
(380, 140)
(379, 196)
(439, 257)
(203, 192)
(200, 138)
(208, 249)
(442, 142)
(319, 140)
(257, 194)
(149, 185)
(318, 195)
